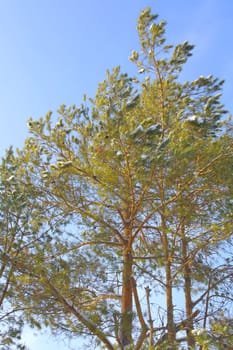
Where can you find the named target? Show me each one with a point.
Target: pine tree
(136, 185)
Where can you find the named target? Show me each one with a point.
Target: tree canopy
(123, 210)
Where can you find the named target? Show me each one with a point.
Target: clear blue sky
(54, 51)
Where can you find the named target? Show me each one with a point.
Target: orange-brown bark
(127, 302)
(187, 289)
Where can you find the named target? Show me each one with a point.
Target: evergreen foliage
(123, 209)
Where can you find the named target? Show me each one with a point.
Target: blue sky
(54, 51)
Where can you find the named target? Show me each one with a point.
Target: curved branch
(83, 319)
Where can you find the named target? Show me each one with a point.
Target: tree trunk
(169, 293)
(126, 304)
(169, 299)
(187, 289)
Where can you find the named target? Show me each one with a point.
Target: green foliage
(11, 339)
(131, 189)
(218, 337)
(16, 234)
